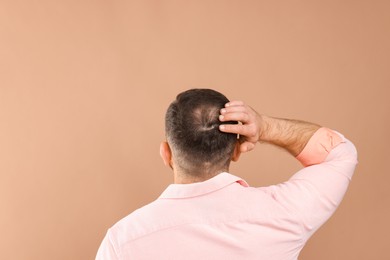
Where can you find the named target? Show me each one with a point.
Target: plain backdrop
(84, 86)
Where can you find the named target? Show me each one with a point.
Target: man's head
(197, 146)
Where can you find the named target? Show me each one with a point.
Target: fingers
(248, 126)
(236, 111)
(239, 116)
(234, 103)
(247, 117)
(231, 109)
(236, 129)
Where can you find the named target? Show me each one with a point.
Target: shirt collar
(176, 191)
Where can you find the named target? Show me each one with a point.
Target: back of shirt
(223, 218)
(234, 222)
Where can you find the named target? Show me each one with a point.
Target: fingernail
(221, 127)
(221, 117)
(223, 110)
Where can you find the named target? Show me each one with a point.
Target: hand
(250, 126)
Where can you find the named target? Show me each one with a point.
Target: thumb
(246, 147)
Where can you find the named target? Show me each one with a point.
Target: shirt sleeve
(106, 250)
(314, 193)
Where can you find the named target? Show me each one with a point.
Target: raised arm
(292, 135)
(313, 193)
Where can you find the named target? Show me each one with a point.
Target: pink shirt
(224, 218)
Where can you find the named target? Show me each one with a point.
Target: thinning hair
(192, 131)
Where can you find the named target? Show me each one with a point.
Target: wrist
(265, 126)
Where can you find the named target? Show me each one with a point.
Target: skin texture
(291, 135)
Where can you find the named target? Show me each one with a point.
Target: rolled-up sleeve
(315, 192)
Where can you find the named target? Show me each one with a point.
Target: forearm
(289, 134)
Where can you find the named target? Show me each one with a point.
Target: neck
(184, 178)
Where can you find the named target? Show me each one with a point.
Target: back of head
(192, 129)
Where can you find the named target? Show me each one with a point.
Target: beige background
(84, 86)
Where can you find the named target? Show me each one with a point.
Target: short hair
(192, 130)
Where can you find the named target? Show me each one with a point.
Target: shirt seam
(117, 250)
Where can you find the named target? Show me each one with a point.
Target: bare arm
(313, 193)
(291, 135)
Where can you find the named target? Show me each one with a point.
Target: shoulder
(137, 224)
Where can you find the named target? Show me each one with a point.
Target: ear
(236, 152)
(166, 154)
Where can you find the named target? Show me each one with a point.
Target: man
(209, 213)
